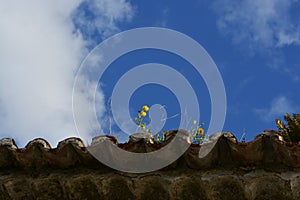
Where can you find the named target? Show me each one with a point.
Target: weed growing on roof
(198, 133)
(290, 131)
(140, 119)
(140, 122)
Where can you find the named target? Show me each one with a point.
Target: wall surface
(265, 168)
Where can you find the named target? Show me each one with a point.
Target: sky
(255, 45)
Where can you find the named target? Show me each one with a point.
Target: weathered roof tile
(222, 150)
(39, 142)
(8, 142)
(76, 142)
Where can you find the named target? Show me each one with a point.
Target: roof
(263, 151)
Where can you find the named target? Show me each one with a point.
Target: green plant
(139, 120)
(198, 133)
(290, 131)
(159, 137)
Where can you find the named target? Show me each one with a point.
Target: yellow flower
(142, 125)
(143, 114)
(195, 122)
(145, 108)
(280, 124)
(200, 130)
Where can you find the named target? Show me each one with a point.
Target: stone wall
(265, 168)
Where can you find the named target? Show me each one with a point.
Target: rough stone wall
(265, 168)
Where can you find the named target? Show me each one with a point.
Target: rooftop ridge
(266, 150)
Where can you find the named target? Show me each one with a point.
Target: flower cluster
(141, 115)
(198, 134)
(140, 121)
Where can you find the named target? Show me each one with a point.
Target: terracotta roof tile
(264, 150)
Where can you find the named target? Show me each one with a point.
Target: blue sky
(260, 71)
(255, 45)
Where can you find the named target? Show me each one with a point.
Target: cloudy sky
(255, 45)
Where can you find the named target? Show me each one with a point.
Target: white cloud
(99, 18)
(40, 51)
(279, 107)
(267, 23)
(164, 15)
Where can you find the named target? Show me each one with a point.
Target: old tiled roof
(265, 150)
(265, 168)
